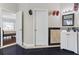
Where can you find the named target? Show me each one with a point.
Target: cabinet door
(55, 36)
(63, 40)
(69, 42)
(72, 42)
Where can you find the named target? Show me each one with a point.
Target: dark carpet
(17, 50)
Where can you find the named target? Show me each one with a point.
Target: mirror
(68, 20)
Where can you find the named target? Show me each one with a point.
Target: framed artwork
(68, 20)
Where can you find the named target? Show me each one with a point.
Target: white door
(19, 28)
(41, 29)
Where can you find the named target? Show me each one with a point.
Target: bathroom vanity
(70, 40)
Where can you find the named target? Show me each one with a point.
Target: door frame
(21, 28)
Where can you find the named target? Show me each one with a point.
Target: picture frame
(68, 20)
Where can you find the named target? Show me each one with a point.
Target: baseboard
(31, 46)
(7, 45)
(28, 45)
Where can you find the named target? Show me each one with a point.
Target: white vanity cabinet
(69, 41)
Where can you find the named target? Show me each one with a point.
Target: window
(8, 26)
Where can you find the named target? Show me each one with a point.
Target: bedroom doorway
(8, 27)
(11, 31)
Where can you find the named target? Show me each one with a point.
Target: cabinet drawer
(68, 34)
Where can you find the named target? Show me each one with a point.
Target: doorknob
(35, 29)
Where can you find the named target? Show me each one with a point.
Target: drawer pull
(67, 34)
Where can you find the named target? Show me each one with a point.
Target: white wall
(66, 6)
(53, 21)
(65, 10)
(70, 6)
(9, 6)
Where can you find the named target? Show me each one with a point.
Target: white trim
(34, 39)
(1, 27)
(32, 46)
(8, 10)
(8, 45)
(27, 45)
(39, 9)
